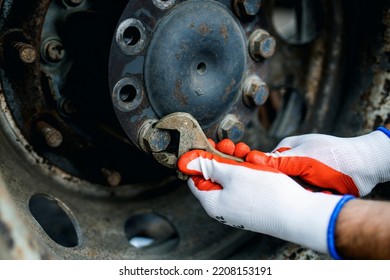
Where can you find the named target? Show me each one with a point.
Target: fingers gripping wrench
(191, 137)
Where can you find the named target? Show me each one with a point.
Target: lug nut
(27, 53)
(230, 127)
(152, 139)
(244, 8)
(255, 91)
(261, 45)
(113, 177)
(52, 136)
(54, 51)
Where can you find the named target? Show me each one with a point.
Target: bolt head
(28, 54)
(261, 44)
(54, 51)
(231, 128)
(256, 92)
(113, 177)
(152, 139)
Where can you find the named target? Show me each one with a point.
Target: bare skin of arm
(363, 230)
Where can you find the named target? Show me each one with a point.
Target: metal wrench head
(191, 134)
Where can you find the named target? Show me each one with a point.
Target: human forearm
(363, 230)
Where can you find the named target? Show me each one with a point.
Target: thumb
(204, 185)
(198, 163)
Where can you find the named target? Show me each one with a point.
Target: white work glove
(262, 199)
(347, 165)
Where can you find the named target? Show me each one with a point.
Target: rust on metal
(204, 29)
(224, 32)
(179, 95)
(27, 53)
(376, 100)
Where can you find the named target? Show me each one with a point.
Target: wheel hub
(195, 62)
(181, 57)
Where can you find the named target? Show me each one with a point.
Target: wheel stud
(261, 45)
(113, 177)
(255, 91)
(27, 53)
(54, 51)
(152, 139)
(244, 8)
(52, 136)
(230, 127)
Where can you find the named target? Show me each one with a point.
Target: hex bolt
(52, 136)
(54, 51)
(244, 8)
(261, 45)
(152, 139)
(255, 91)
(113, 177)
(230, 127)
(27, 53)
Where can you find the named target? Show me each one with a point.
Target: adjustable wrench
(191, 137)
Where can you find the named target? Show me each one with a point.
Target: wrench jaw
(188, 129)
(166, 159)
(170, 160)
(191, 137)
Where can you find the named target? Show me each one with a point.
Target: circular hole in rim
(128, 93)
(298, 22)
(150, 231)
(201, 68)
(54, 220)
(131, 36)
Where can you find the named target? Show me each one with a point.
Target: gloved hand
(260, 198)
(347, 165)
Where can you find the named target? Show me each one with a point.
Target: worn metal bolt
(230, 127)
(67, 107)
(73, 2)
(152, 139)
(255, 91)
(244, 8)
(113, 177)
(52, 136)
(261, 44)
(54, 51)
(27, 53)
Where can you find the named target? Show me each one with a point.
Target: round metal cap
(196, 61)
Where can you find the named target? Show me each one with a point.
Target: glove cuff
(332, 227)
(384, 130)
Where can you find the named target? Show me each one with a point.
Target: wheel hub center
(196, 61)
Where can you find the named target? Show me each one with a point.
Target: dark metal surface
(191, 56)
(195, 62)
